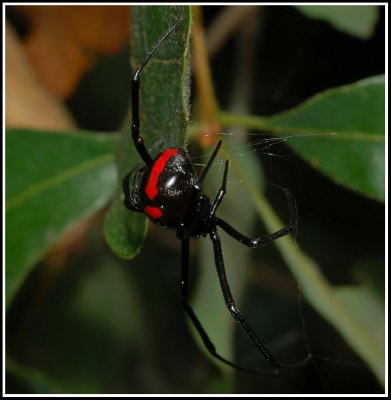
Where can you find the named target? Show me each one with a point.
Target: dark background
(297, 58)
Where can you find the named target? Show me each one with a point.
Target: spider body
(168, 190)
(162, 189)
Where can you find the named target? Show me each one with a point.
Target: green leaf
(52, 181)
(347, 126)
(340, 132)
(355, 20)
(366, 308)
(165, 79)
(164, 110)
(124, 230)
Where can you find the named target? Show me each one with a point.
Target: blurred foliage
(359, 21)
(64, 42)
(81, 320)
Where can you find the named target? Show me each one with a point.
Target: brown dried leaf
(64, 41)
(28, 103)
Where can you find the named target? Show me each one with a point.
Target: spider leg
(185, 230)
(209, 164)
(190, 313)
(221, 193)
(229, 300)
(235, 313)
(197, 187)
(129, 204)
(137, 139)
(263, 240)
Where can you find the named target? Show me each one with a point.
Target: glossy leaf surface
(346, 128)
(52, 181)
(340, 132)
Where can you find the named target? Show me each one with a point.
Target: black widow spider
(168, 190)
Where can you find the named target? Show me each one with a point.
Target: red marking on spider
(151, 189)
(153, 212)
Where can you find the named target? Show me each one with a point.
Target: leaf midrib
(272, 124)
(354, 136)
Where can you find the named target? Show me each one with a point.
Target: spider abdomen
(166, 185)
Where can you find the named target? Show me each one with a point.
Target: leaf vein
(67, 174)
